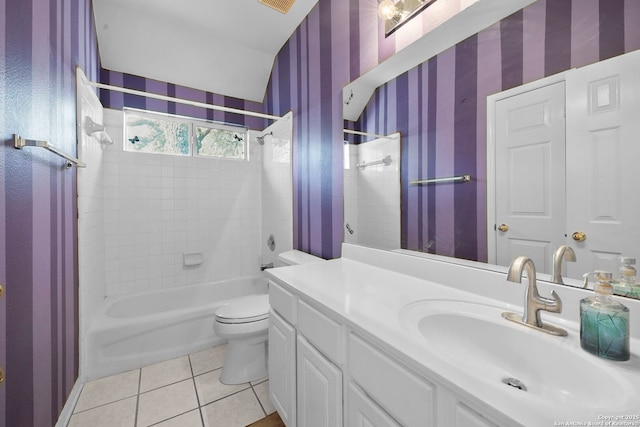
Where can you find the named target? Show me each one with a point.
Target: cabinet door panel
(282, 368)
(319, 388)
(466, 417)
(364, 412)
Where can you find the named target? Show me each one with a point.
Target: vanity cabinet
(323, 373)
(282, 361)
(364, 412)
(319, 390)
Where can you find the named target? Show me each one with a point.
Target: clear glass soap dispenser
(626, 284)
(604, 322)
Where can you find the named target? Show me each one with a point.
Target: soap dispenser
(626, 284)
(604, 323)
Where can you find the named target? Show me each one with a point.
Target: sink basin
(474, 338)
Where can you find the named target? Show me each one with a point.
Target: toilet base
(244, 361)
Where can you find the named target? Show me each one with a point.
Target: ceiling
(224, 47)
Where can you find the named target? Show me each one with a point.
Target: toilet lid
(243, 310)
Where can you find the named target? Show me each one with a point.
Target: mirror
(372, 192)
(440, 107)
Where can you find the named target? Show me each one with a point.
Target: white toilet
(244, 323)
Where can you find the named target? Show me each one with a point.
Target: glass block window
(147, 132)
(220, 142)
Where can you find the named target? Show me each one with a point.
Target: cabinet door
(319, 388)
(282, 368)
(466, 417)
(364, 412)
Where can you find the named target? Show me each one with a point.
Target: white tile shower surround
(157, 207)
(182, 392)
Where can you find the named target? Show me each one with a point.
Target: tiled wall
(159, 207)
(277, 215)
(41, 42)
(372, 195)
(91, 248)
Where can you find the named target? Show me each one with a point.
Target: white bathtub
(131, 331)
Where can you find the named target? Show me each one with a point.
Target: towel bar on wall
(20, 142)
(460, 178)
(386, 161)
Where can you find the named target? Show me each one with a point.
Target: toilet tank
(295, 257)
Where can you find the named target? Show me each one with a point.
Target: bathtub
(131, 331)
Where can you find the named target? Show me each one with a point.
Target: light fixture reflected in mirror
(387, 10)
(396, 14)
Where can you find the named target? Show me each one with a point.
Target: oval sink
(475, 338)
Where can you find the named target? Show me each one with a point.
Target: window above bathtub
(147, 132)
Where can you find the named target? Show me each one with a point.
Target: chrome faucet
(563, 253)
(533, 302)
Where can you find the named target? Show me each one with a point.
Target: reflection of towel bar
(460, 178)
(20, 142)
(386, 161)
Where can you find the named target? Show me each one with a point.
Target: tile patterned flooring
(182, 392)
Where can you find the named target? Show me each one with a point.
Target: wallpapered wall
(41, 42)
(440, 108)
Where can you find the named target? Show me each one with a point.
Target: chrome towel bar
(20, 142)
(460, 178)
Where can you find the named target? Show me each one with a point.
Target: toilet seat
(252, 308)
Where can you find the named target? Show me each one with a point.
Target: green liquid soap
(604, 323)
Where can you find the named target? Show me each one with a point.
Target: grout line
(135, 420)
(193, 379)
(104, 404)
(259, 402)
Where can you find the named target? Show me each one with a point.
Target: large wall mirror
(544, 120)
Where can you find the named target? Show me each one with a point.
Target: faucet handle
(556, 306)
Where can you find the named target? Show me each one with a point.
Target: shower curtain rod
(355, 132)
(183, 101)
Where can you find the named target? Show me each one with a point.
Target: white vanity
(380, 338)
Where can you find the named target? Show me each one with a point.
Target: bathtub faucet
(263, 267)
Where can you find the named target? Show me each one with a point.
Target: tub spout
(263, 267)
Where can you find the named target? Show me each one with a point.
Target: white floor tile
(118, 414)
(262, 390)
(190, 419)
(210, 388)
(208, 360)
(107, 390)
(166, 402)
(238, 410)
(165, 373)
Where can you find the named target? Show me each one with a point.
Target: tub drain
(515, 383)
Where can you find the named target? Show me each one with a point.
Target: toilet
(244, 323)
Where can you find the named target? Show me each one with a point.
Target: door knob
(1, 291)
(503, 227)
(579, 236)
(1, 375)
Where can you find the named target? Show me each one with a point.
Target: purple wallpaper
(41, 42)
(440, 109)
(117, 100)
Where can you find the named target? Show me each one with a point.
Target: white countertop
(363, 290)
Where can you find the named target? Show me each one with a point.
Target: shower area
(372, 191)
(164, 240)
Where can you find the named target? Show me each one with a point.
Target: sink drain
(515, 383)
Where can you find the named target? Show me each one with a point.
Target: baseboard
(67, 409)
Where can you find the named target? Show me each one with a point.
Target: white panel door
(319, 389)
(530, 177)
(282, 368)
(603, 159)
